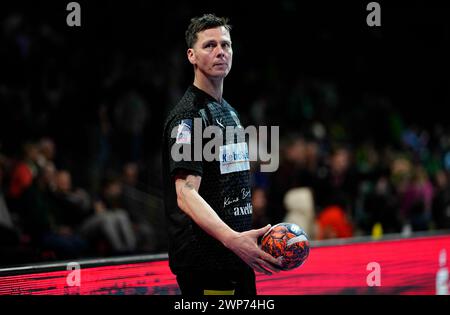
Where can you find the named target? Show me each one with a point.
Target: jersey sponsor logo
(247, 209)
(245, 193)
(234, 158)
(219, 122)
(184, 132)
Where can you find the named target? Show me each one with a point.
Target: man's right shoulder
(185, 109)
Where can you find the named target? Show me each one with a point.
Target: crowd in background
(81, 132)
(45, 216)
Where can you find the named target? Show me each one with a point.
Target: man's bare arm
(199, 210)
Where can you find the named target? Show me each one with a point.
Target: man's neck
(212, 87)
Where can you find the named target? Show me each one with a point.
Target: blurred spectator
(312, 162)
(416, 200)
(9, 235)
(5, 217)
(291, 173)
(13, 244)
(441, 201)
(135, 203)
(401, 170)
(24, 172)
(41, 222)
(21, 185)
(381, 206)
(299, 203)
(332, 222)
(111, 220)
(339, 183)
(47, 151)
(63, 211)
(114, 225)
(73, 204)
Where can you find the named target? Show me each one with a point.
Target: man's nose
(220, 51)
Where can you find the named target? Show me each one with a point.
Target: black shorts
(242, 283)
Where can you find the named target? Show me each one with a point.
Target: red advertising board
(406, 266)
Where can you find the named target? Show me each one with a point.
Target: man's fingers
(261, 269)
(262, 231)
(276, 261)
(269, 265)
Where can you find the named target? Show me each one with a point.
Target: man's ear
(191, 56)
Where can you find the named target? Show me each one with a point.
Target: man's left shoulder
(229, 107)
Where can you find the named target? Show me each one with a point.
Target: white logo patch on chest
(234, 158)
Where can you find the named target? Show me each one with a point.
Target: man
(212, 249)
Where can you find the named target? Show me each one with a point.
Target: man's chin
(219, 74)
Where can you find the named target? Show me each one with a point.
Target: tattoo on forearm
(189, 185)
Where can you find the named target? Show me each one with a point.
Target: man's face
(212, 53)
(64, 181)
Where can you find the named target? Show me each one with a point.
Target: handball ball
(289, 241)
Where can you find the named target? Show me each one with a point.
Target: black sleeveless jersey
(225, 183)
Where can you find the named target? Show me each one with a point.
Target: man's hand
(245, 246)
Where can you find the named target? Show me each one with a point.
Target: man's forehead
(214, 33)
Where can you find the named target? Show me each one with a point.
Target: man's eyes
(212, 45)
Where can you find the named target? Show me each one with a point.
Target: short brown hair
(202, 23)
